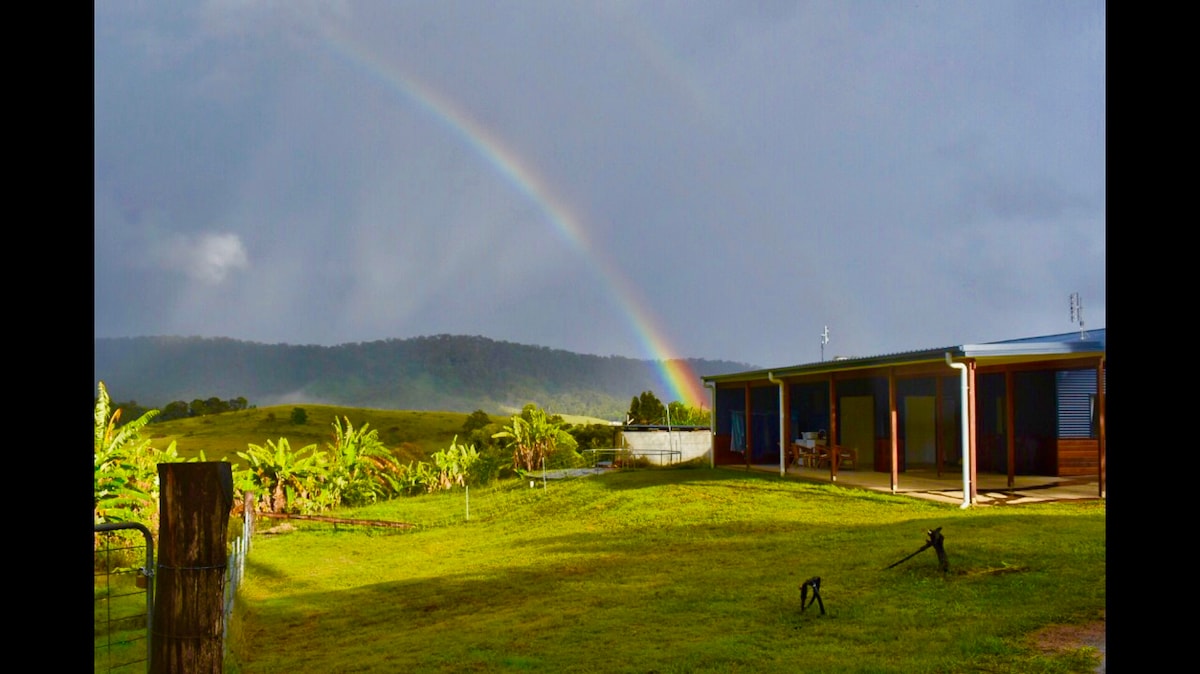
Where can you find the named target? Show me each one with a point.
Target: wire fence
(235, 568)
(124, 593)
(473, 503)
(123, 597)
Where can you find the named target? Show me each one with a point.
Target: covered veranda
(1023, 415)
(991, 488)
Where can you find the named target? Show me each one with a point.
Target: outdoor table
(808, 451)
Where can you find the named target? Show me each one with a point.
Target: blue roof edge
(1090, 341)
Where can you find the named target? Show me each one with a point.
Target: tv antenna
(824, 341)
(1077, 314)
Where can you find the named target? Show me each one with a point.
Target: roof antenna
(1077, 314)
(824, 341)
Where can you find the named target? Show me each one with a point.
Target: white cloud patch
(209, 257)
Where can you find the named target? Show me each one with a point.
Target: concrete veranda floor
(992, 489)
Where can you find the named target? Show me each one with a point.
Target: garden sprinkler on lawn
(936, 541)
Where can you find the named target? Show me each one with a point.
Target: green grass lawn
(670, 570)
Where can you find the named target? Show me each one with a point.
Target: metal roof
(1025, 348)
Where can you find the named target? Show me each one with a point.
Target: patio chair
(822, 456)
(847, 457)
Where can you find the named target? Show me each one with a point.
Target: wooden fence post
(194, 504)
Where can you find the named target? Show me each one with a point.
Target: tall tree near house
(647, 409)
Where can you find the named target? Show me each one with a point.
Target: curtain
(737, 431)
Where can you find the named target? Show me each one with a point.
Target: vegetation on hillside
(443, 373)
(178, 409)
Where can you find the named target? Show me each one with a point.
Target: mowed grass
(670, 570)
(411, 435)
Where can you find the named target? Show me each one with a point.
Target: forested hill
(444, 372)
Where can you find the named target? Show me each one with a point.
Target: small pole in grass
(815, 584)
(468, 490)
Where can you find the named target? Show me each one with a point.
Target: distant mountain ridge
(452, 373)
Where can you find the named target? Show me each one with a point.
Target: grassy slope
(671, 571)
(411, 435)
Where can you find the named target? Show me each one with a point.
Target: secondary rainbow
(682, 382)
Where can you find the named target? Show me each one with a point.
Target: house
(1034, 406)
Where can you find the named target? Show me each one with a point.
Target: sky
(675, 178)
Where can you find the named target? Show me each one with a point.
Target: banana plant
(533, 436)
(288, 481)
(454, 463)
(361, 467)
(124, 470)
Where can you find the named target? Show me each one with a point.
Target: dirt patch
(1074, 637)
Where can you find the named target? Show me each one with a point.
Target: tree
(477, 419)
(647, 409)
(197, 408)
(174, 410)
(299, 416)
(685, 415)
(594, 436)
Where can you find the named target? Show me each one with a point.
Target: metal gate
(124, 598)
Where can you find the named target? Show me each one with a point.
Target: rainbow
(679, 378)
